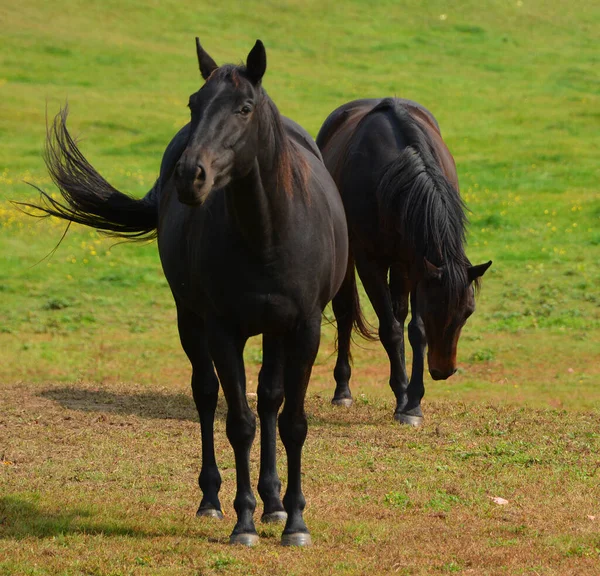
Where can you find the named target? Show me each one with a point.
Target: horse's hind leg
(343, 306)
(205, 389)
(301, 348)
(270, 398)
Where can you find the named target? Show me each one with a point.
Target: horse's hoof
(209, 513)
(274, 517)
(244, 539)
(408, 419)
(296, 539)
(345, 402)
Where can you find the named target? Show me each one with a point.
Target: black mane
(430, 214)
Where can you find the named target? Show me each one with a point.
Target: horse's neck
(259, 210)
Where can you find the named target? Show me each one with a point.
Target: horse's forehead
(229, 80)
(451, 297)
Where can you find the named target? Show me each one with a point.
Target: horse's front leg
(270, 398)
(205, 389)
(226, 349)
(301, 347)
(416, 337)
(391, 317)
(408, 410)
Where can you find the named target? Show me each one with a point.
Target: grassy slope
(515, 87)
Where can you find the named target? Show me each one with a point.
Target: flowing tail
(359, 322)
(88, 198)
(351, 304)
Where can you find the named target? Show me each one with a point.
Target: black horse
(406, 219)
(253, 239)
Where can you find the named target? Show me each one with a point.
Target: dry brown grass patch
(102, 480)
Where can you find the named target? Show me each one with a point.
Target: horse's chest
(256, 297)
(215, 271)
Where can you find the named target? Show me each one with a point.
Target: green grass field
(98, 441)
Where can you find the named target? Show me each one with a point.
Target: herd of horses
(259, 228)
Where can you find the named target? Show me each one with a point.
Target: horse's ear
(432, 272)
(256, 63)
(206, 63)
(478, 271)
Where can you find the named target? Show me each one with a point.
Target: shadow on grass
(20, 518)
(181, 407)
(145, 405)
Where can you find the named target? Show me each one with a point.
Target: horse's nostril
(200, 173)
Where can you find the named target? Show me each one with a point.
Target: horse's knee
(391, 334)
(416, 334)
(241, 428)
(400, 310)
(205, 389)
(270, 398)
(292, 429)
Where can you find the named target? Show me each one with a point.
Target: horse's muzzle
(192, 182)
(441, 374)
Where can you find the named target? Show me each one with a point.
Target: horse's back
(359, 141)
(352, 112)
(350, 122)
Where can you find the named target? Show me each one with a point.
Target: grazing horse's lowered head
(446, 298)
(224, 128)
(421, 209)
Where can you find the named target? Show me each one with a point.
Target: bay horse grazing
(253, 239)
(406, 221)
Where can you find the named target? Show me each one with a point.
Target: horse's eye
(245, 110)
